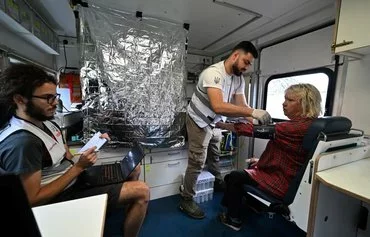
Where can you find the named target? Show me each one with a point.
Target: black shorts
(79, 190)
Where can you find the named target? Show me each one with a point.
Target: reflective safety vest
(55, 146)
(199, 108)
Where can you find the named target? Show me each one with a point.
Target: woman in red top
(282, 157)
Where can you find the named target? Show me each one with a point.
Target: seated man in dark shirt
(283, 156)
(32, 147)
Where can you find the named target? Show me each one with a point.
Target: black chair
(322, 129)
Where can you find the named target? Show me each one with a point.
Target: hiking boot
(219, 186)
(226, 220)
(190, 207)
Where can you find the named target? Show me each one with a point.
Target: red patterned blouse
(282, 157)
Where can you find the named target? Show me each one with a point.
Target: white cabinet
(163, 170)
(352, 28)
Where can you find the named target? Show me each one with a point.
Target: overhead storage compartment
(21, 19)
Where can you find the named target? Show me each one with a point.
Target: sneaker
(219, 186)
(225, 219)
(191, 208)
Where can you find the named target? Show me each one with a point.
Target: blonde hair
(310, 99)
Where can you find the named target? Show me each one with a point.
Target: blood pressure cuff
(264, 131)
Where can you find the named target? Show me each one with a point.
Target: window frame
(330, 92)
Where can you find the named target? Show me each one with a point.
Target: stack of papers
(94, 141)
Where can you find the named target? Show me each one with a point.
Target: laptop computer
(114, 173)
(15, 208)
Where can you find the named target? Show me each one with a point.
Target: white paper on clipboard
(94, 141)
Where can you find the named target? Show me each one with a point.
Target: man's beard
(36, 113)
(236, 70)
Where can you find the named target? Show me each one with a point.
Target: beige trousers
(204, 146)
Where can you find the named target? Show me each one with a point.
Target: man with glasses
(48, 97)
(219, 94)
(32, 147)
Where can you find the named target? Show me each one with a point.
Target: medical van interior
(130, 68)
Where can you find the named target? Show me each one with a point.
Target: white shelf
(17, 28)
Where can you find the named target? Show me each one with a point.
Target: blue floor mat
(165, 219)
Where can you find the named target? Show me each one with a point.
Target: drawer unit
(164, 191)
(166, 155)
(163, 173)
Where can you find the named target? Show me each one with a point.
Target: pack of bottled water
(204, 187)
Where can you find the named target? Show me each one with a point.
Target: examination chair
(321, 130)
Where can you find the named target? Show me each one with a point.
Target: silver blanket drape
(132, 77)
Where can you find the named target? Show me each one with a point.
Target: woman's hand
(252, 162)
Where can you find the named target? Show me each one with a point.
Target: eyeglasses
(48, 97)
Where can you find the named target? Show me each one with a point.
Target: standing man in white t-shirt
(219, 94)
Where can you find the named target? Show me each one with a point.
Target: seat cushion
(256, 191)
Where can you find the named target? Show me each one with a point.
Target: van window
(275, 87)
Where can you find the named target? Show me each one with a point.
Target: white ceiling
(214, 28)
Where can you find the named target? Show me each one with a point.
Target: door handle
(344, 43)
(173, 153)
(174, 164)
